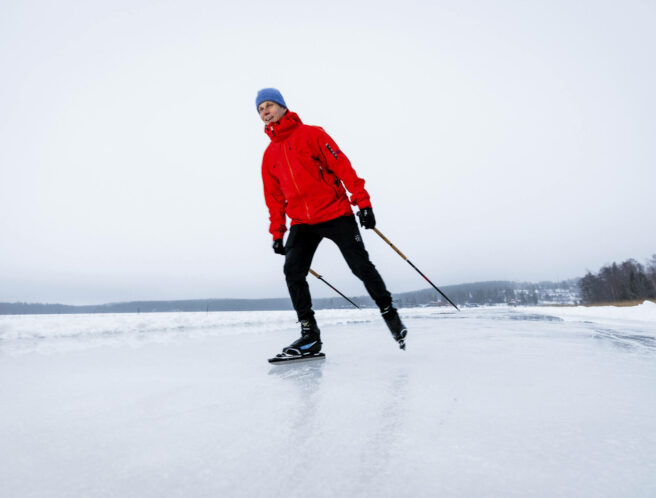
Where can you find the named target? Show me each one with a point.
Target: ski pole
(417, 269)
(324, 281)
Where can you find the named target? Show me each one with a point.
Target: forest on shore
(613, 283)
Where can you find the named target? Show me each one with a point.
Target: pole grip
(391, 245)
(314, 273)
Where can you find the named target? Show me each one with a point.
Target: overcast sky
(498, 140)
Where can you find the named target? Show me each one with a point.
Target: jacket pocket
(330, 179)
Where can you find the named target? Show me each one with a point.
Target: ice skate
(309, 343)
(395, 325)
(306, 347)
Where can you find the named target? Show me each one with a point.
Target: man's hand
(278, 247)
(367, 218)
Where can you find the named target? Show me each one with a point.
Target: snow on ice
(530, 402)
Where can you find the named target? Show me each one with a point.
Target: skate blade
(287, 359)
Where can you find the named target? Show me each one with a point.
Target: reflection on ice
(377, 451)
(304, 382)
(302, 373)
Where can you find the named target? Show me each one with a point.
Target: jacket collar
(284, 128)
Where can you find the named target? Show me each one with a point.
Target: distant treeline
(628, 281)
(147, 306)
(479, 293)
(187, 305)
(495, 292)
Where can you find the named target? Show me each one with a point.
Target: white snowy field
(494, 402)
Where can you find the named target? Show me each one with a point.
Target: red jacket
(304, 175)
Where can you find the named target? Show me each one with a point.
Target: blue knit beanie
(269, 94)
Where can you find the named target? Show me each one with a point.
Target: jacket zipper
(291, 173)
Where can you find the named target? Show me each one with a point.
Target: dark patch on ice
(433, 316)
(502, 315)
(536, 318)
(524, 317)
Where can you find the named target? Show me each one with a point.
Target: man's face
(270, 112)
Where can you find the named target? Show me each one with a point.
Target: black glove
(367, 218)
(278, 247)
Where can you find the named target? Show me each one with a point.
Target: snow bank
(641, 315)
(47, 334)
(20, 334)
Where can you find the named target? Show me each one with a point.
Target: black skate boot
(309, 343)
(394, 323)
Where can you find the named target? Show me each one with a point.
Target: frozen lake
(495, 402)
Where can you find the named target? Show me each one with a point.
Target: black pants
(301, 245)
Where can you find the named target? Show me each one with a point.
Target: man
(305, 175)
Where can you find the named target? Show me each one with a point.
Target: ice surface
(486, 402)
